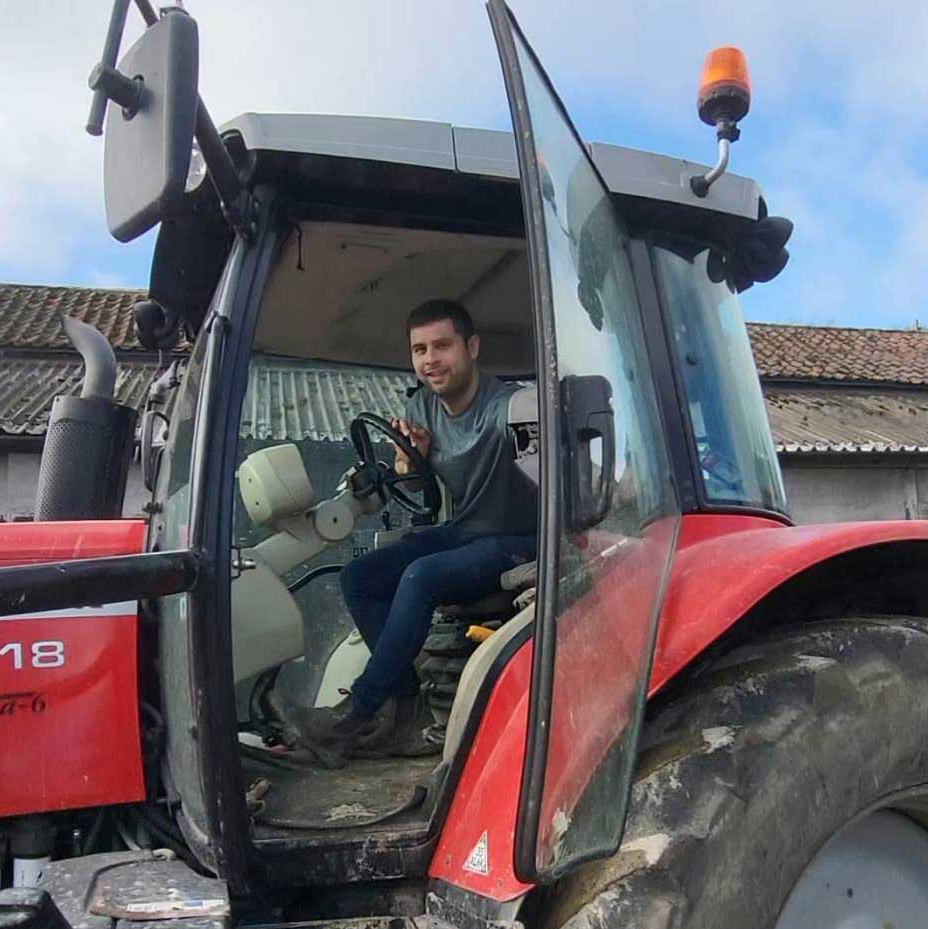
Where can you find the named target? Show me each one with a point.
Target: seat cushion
(497, 605)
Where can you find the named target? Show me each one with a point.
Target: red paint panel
(69, 727)
(31, 543)
(487, 795)
(727, 564)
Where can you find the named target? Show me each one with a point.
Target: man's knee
(418, 580)
(352, 578)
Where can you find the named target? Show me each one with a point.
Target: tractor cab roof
(419, 175)
(412, 143)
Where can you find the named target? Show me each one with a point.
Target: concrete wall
(19, 474)
(829, 492)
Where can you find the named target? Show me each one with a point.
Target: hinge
(241, 564)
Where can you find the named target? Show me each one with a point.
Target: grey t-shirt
(473, 455)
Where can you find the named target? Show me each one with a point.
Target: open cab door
(609, 512)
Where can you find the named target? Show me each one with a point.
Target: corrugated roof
(807, 420)
(825, 353)
(28, 386)
(292, 400)
(295, 400)
(284, 401)
(29, 315)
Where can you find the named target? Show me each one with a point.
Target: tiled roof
(29, 320)
(813, 420)
(29, 315)
(889, 356)
(291, 400)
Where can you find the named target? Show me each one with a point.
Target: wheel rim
(872, 874)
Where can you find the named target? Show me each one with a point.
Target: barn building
(848, 407)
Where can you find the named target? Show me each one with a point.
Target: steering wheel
(381, 478)
(721, 468)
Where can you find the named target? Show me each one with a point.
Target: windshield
(737, 459)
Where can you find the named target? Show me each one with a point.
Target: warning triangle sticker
(478, 860)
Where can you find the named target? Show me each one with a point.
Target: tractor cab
(603, 286)
(601, 280)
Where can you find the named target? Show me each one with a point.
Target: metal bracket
(241, 564)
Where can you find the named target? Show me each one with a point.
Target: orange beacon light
(725, 88)
(724, 98)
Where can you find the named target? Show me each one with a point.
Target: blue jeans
(391, 593)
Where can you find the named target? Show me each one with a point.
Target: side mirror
(149, 130)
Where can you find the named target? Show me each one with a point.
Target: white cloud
(839, 86)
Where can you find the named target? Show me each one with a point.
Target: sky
(837, 135)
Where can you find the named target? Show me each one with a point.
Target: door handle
(588, 416)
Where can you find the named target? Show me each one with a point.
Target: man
(458, 421)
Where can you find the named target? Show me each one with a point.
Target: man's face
(441, 358)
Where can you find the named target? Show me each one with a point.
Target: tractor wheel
(785, 788)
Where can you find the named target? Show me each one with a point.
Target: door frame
(231, 321)
(549, 417)
(553, 474)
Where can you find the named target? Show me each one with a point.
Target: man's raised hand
(418, 437)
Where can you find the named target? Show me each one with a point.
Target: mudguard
(725, 565)
(69, 724)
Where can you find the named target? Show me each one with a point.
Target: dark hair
(434, 310)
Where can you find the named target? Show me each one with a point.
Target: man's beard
(455, 385)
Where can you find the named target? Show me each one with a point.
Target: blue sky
(837, 136)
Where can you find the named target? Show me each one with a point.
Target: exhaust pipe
(89, 441)
(99, 358)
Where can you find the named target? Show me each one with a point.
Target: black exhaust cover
(85, 460)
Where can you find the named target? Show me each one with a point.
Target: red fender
(725, 564)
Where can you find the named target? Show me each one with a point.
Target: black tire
(747, 774)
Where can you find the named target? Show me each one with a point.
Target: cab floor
(366, 794)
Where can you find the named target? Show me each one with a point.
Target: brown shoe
(331, 732)
(403, 737)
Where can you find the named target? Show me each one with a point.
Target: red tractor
(688, 712)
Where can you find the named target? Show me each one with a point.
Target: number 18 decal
(46, 654)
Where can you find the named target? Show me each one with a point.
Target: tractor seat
(448, 649)
(492, 606)
(499, 603)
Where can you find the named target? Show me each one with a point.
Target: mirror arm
(110, 52)
(237, 202)
(147, 11)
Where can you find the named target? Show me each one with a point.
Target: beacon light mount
(724, 99)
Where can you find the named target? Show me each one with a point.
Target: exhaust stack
(89, 442)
